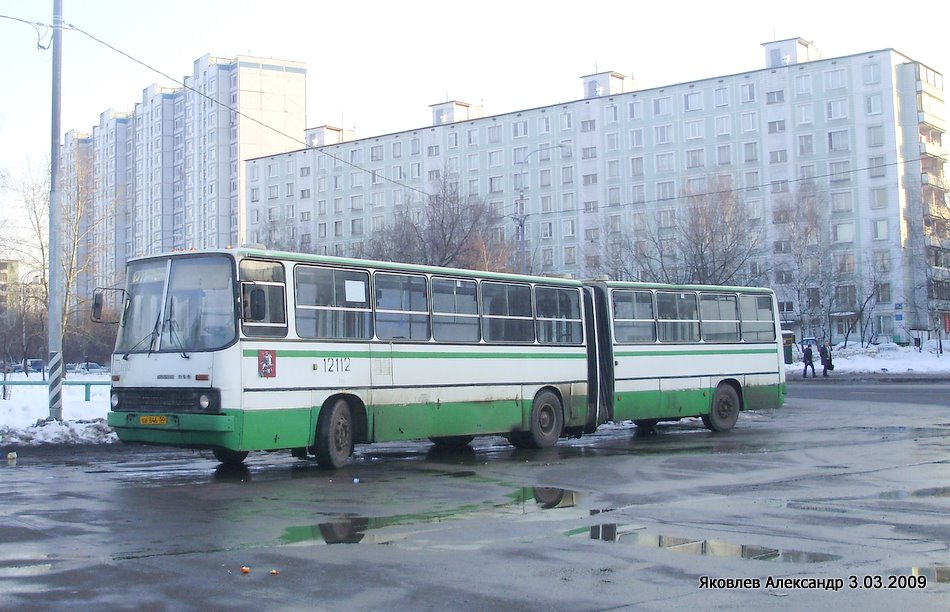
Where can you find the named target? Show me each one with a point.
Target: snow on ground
(24, 409)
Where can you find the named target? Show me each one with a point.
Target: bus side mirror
(97, 306)
(258, 305)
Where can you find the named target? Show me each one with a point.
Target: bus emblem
(267, 363)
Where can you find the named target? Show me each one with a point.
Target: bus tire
(229, 457)
(724, 411)
(452, 441)
(646, 425)
(334, 437)
(547, 420)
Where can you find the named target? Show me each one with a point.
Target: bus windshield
(184, 304)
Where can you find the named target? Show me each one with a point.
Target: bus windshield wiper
(172, 332)
(150, 337)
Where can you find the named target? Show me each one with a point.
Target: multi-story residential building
(9, 271)
(169, 175)
(858, 138)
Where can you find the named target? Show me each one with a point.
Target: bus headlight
(204, 401)
(114, 400)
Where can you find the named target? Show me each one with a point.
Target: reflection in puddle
(613, 532)
(355, 529)
(935, 573)
(934, 492)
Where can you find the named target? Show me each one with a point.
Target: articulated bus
(246, 349)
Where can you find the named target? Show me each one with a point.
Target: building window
(803, 85)
(636, 138)
(775, 97)
(664, 162)
(519, 129)
(663, 134)
(839, 170)
(872, 104)
(836, 109)
(662, 106)
(875, 136)
(721, 96)
(747, 92)
(879, 229)
(806, 144)
(750, 122)
(750, 151)
(871, 73)
(841, 201)
(588, 125)
(778, 157)
(838, 141)
(876, 167)
(879, 197)
(834, 79)
(776, 127)
(695, 129)
(693, 101)
(843, 232)
(695, 158)
(723, 155)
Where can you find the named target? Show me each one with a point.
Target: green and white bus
(245, 349)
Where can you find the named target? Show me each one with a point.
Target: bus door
(600, 365)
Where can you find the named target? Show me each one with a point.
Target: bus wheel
(725, 409)
(547, 420)
(646, 425)
(229, 457)
(452, 441)
(334, 443)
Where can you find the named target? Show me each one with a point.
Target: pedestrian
(825, 353)
(808, 358)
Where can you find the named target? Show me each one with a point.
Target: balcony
(937, 181)
(932, 149)
(931, 120)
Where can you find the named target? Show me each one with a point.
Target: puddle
(638, 536)
(352, 529)
(933, 492)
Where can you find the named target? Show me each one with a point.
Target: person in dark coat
(809, 362)
(825, 353)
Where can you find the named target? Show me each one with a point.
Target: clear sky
(377, 65)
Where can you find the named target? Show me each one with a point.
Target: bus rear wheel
(725, 410)
(646, 425)
(229, 457)
(547, 420)
(334, 439)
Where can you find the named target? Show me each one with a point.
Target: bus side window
(633, 317)
(506, 312)
(758, 322)
(677, 316)
(263, 298)
(558, 315)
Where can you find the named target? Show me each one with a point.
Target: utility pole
(55, 362)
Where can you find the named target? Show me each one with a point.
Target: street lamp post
(520, 216)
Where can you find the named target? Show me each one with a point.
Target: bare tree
(447, 229)
(708, 239)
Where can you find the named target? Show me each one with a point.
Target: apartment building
(169, 175)
(9, 271)
(858, 136)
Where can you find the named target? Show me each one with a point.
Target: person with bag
(826, 364)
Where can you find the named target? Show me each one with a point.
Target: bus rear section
(691, 351)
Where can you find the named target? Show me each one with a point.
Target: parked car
(91, 367)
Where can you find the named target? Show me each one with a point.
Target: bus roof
(262, 253)
(639, 285)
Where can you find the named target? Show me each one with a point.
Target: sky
(83, 422)
(376, 66)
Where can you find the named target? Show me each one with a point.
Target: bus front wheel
(334, 439)
(547, 420)
(725, 410)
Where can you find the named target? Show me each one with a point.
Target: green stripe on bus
(680, 353)
(383, 354)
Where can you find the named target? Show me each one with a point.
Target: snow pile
(24, 411)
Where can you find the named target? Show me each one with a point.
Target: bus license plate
(153, 420)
